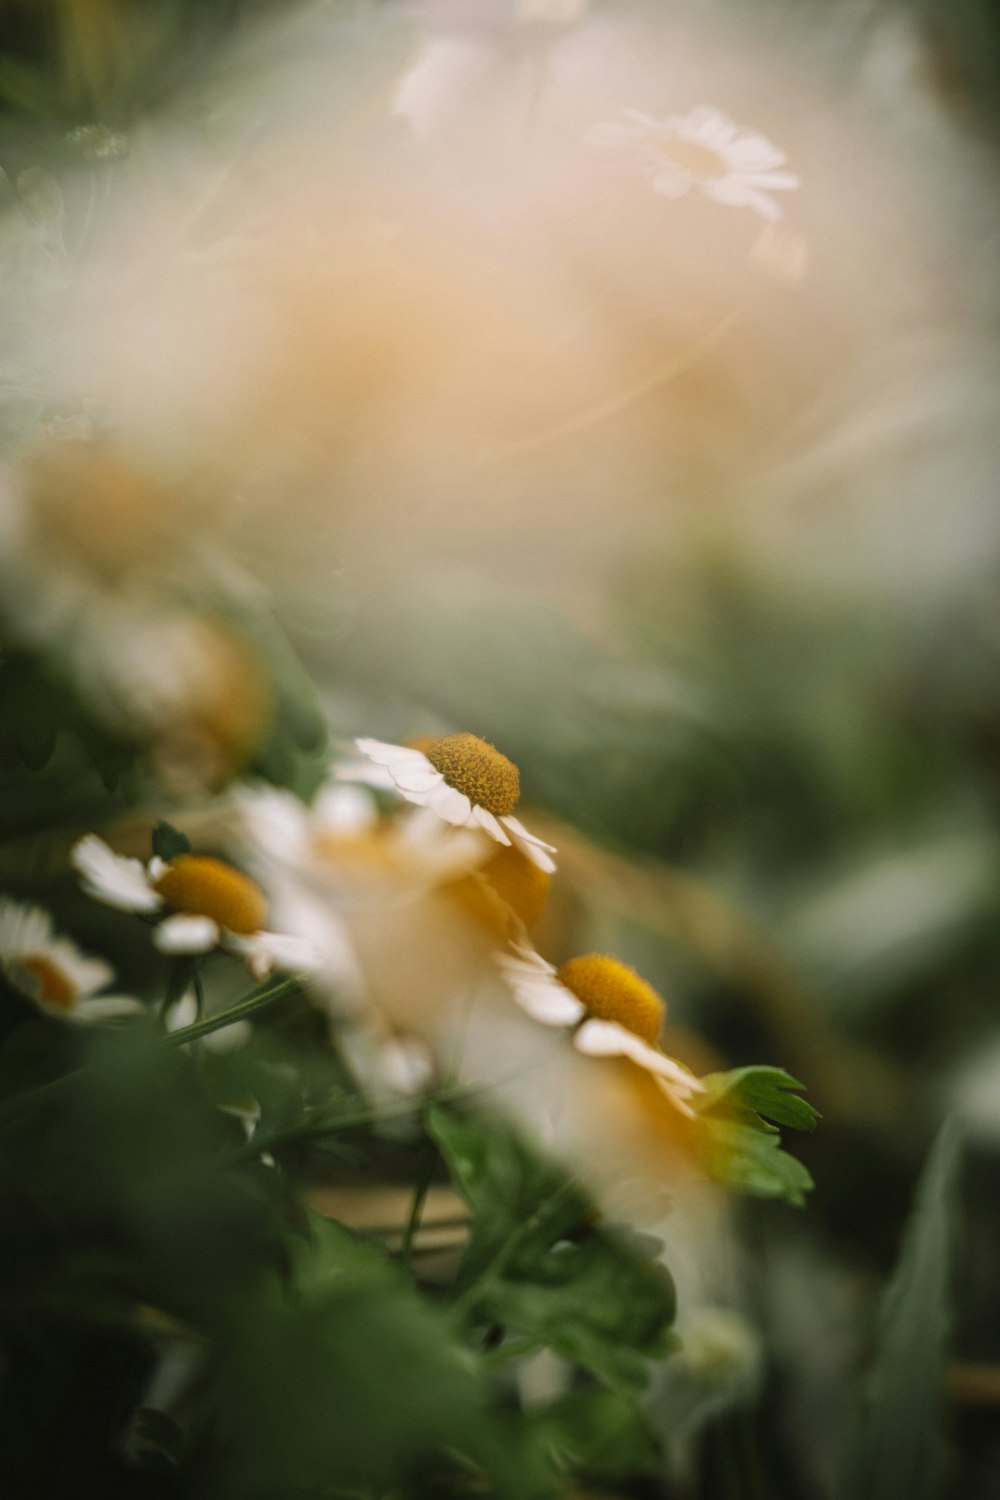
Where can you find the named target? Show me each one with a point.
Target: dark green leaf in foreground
(898, 1449)
(738, 1138)
(343, 1375)
(537, 1267)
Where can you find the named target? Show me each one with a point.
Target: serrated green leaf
(597, 1434)
(537, 1267)
(770, 1093)
(738, 1138)
(898, 1449)
(750, 1159)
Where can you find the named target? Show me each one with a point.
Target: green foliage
(898, 1451)
(537, 1267)
(169, 842)
(739, 1115)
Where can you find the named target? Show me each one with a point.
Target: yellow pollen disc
(612, 991)
(49, 985)
(700, 161)
(519, 883)
(474, 767)
(202, 886)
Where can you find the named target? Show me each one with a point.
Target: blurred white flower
(466, 782)
(614, 1011)
(210, 904)
(707, 150)
(52, 971)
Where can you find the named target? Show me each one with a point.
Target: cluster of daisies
(464, 791)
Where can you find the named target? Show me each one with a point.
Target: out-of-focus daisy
(52, 971)
(703, 149)
(207, 904)
(466, 782)
(613, 1011)
(507, 894)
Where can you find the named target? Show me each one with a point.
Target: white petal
(416, 778)
(281, 950)
(533, 848)
(341, 808)
(708, 126)
(112, 878)
(548, 1002)
(87, 975)
(106, 1008)
(186, 933)
(608, 1039)
(384, 754)
(677, 1095)
(451, 805)
(489, 824)
(364, 772)
(23, 929)
(754, 153)
(184, 1013)
(156, 869)
(672, 183)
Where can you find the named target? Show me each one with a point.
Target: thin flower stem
(669, 370)
(258, 1000)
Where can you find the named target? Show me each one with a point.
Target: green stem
(258, 1000)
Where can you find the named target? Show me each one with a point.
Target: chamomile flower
(703, 149)
(207, 904)
(464, 781)
(613, 1011)
(52, 972)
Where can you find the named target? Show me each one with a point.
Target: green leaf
(771, 1093)
(750, 1159)
(898, 1449)
(738, 1138)
(537, 1266)
(169, 842)
(596, 1434)
(343, 1377)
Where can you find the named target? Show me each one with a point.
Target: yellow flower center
(688, 156)
(474, 767)
(611, 991)
(45, 983)
(202, 886)
(519, 883)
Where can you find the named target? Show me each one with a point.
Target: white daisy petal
(106, 1008)
(186, 933)
(672, 183)
(451, 805)
(678, 1095)
(384, 754)
(284, 949)
(23, 929)
(416, 778)
(609, 1039)
(112, 878)
(87, 975)
(489, 824)
(548, 1002)
(533, 848)
(365, 773)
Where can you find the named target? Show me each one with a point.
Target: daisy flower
(206, 902)
(704, 149)
(612, 1010)
(466, 782)
(52, 971)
